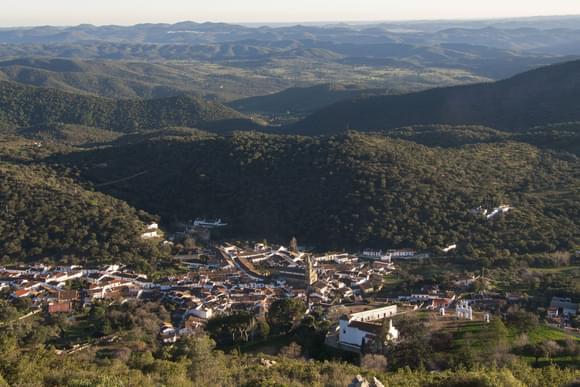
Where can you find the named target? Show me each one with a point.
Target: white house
(499, 210)
(201, 311)
(63, 276)
(150, 235)
(357, 329)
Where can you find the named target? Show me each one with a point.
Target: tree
(413, 348)
(524, 321)
(550, 348)
(7, 311)
(284, 315)
(291, 351)
(205, 366)
(234, 329)
(536, 350)
(263, 329)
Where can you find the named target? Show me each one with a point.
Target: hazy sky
(72, 12)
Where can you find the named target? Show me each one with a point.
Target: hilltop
(24, 106)
(113, 79)
(301, 100)
(538, 97)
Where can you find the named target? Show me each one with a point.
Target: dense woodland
(352, 190)
(22, 106)
(47, 216)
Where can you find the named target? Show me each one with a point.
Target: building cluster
(225, 279)
(326, 279)
(221, 280)
(52, 287)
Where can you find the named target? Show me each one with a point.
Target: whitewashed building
(463, 310)
(357, 329)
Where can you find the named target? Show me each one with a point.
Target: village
(222, 279)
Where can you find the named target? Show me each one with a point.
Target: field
(481, 339)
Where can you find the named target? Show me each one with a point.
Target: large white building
(357, 329)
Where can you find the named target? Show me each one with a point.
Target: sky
(126, 12)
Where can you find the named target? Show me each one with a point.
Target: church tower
(310, 274)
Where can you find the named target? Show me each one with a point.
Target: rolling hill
(113, 79)
(47, 215)
(538, 97)
(300, 100)
(22, 106)
(535, 35)
(354, 190)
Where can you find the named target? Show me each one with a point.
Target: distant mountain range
(493, 49)
(548, 95)
(479, 59)
(550, 34)
(543, 96)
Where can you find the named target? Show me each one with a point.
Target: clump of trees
(285, 314)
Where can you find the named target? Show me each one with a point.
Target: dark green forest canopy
(24, 106)
(352, 190)
(46, 215)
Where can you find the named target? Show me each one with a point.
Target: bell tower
(310, 274)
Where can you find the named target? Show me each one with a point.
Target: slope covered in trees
(46, 215)
(538, 97)
(22, 106)
(559, 137)
(113, 79)
(301, 100)
(352, 190)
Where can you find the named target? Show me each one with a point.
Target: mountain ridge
(25, 106)
(537, 97)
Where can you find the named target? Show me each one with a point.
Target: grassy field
(478, 335)
(545, 332)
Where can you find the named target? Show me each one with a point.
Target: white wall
(350, 335)
(375, 314)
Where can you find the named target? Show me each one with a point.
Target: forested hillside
(352, 190)
(539, 97)
(301, 100)
(47, 216)
(113, 79)
(561, 137)
(22, 106)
